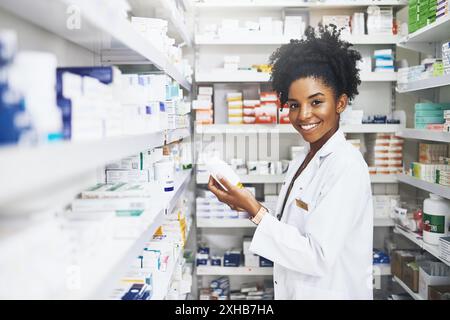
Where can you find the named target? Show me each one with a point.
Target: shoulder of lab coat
(345, 192)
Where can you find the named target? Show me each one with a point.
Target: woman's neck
(315, 146)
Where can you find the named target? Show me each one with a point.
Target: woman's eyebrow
(316, 94)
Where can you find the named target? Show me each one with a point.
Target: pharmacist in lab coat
(320, 236)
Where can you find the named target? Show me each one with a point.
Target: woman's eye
(316, 102)
(293, 105)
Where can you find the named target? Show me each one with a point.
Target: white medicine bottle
(216, 166)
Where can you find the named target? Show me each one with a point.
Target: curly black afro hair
(322, 55)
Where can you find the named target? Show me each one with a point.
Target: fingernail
(219, 176)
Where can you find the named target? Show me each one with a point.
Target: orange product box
(268, 96)
(266, 113)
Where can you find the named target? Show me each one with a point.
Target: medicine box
(232, 258)
(205, 91)
(426, 279)
(265, 263)
(251, 260)
(400, 258)
(444, 249)
(128, 176)
(411, 276)
(246, 244)
(439, 292)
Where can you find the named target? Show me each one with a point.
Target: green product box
(429, 113)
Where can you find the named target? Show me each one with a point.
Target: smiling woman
(320, 237)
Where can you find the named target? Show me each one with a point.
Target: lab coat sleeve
(314, 252)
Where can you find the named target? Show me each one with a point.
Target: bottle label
(434, 224)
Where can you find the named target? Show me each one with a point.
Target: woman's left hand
(236, 198)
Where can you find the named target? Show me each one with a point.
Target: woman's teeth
(309, 126)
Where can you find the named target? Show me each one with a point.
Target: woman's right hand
(236, 198)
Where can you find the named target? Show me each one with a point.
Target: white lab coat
(324, 252)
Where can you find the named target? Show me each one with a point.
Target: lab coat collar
(329, 147)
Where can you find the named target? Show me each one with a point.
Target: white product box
(246, 245)
(112, 204)
(206, 97)
(294, 26)
(444, 248)
(128, 163)
(425, 279)
(251, 260)
(205, 90)
(128, 176)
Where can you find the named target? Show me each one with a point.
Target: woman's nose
(304, 113)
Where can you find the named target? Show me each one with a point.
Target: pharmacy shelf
(287, 128)
(434, 32)
(96, 30)
(177, 27)
(219, 5)
(181, 181)
(422, 134)
(246, 223)
(49, 165)
(161, 288)
(279, 178)
(177, 134)
(222, 76)
(233, 271)
(414, 295)
(164, 279)
(124, 251)
(435, 188)
(430, 83)
(260, 39)
(417, 239)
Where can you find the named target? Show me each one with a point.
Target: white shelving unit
(165, 278)
(258, 39)
(414, 295)
(430, 83)
(417, 239)
(218, 5)
(275, 178)
(436, 31)
(177, 27)
(124, 251)
(233, 271)
(220, 76)
(97, 31)
(287, 128)
(435, 188)
(421, 134)
(49, 164)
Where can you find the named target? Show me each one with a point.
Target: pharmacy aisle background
(106, 130)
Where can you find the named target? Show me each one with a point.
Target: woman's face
(313, 108)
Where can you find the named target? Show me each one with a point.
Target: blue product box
(201, 262)
(216, 261)
(232, 259)
(138, 291)
(203, 250)
(263, 262)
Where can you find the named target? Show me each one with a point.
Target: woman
(320, 237)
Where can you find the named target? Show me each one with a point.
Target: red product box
(283, 116)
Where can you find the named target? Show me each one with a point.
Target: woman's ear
(341, 103)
